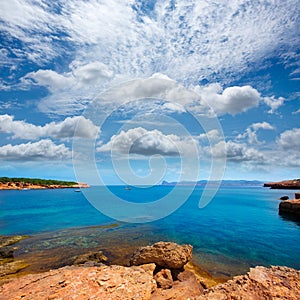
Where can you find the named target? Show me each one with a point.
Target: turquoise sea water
(240, 228)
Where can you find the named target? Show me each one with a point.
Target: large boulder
(290, 207)
(163, 254)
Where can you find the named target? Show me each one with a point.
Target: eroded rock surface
(290, 207)
(259, 284)
(164, 254)
(106, 282)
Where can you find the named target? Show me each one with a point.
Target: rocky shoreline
(284, 185)
(159, 271)
(26, 186)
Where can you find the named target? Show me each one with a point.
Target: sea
(240, 228)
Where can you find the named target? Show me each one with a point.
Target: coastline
(157, 272)
(284, 185)
(21, 186)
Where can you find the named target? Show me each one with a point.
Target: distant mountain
(223, 183)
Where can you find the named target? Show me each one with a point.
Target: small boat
(128, 188)
(78, 191)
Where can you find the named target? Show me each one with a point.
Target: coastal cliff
(158, 272)
(284, 185)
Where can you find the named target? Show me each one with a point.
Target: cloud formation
(55, 130)
(188, 39)
(232, 100)
(273, 103)
(237, 152)
(290, 139)
(41, 150)
(149, 142)
(251, 131)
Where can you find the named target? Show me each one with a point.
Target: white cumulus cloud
(149, 142)
(232, 100)
(237, 152)
(41, 150)
(55, 130)
(290, 139)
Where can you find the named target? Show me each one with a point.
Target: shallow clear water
(238, 229)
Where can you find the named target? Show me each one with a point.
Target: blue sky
(164, 86)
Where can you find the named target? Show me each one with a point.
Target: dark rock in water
(163, 254)
(6, 252)
(95, 257)
(12, 267)
(290, 207)
(297, 195)
(284, 198)
(7, 263)
(10, 240)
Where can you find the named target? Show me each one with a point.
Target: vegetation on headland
(36, 181)
(7, 183)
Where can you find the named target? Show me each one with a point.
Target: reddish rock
(285, 184)
(106, 282)
(163, 254)
(164, 279)
(259, 284)
(186, 287)
(290, 207)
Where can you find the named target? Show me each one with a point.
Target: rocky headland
(284, 185)
(37, 184)
(160, 271)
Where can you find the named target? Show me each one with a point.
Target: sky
(136, 92)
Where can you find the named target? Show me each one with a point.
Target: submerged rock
(12, 267)
(94, 257)
(163, 254)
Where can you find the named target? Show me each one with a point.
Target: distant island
(7, 183)
(223, 183)
(293, 184)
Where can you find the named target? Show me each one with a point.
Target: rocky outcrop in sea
(290, 207)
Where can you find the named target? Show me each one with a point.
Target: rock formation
(108, 282)
(163, 254)
(153, 281)
(259, 284)
(284, 185)
(7, 263)
(290, 207)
